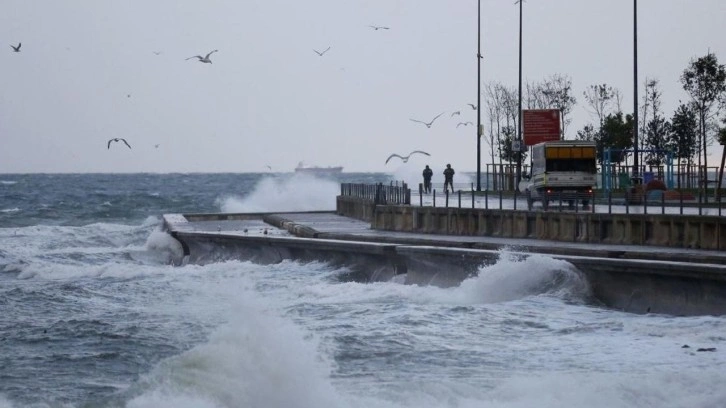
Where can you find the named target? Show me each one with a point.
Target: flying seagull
(428, 124)
(464, 124)
(205, 60)
(378, 27)
(455, 113)
(472, 105)
(405, 158)
(321, 53)
(117, 139)
(16, 49)
(157, 52)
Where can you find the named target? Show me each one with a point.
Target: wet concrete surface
(330, 226)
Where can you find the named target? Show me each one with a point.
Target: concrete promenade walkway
(330, 226)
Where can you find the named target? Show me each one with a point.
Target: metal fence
(646, 202)
(378, 193)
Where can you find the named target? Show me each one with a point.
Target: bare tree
(557, 93)
(534, 96)
(600, 99)
(495, 115)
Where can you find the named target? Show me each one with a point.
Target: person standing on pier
(448, 178)
(427, 174)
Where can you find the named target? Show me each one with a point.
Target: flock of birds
(454, 113)
(207, 60)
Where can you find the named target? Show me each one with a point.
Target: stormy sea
(93, 315)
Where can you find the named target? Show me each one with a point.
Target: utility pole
(519, 116)
(636, 167)
(478, 97)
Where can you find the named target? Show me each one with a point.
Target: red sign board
(540, 125)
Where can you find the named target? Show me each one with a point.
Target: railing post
(662, 202)
(610, 202)
(645, 202)
(680, 195)
(486, 199)
(472, 195)
(459, 198)
(447, 198)
(577, 209)
(700, 206)
(434, 197)
(500, 199)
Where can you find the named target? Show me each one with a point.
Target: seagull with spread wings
(204, 59)
(378, 27)
(118, 139)
(320, 53)
(472, 106)
(16, 49)
(428, 124)
(405, 158)
(464, 124)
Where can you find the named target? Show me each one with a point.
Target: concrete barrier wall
(353, 207)
(674, 230)
(625, 284)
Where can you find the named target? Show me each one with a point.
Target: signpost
(540, 125)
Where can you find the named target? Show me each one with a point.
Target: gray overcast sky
(87, 72)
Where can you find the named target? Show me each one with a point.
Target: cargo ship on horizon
(317, 170)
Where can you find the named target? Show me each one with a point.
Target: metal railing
(599, 201)
(378, 193)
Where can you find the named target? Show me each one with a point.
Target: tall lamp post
(478, 97)
(636, 167)
(519, 116)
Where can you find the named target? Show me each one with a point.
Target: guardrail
(378, 193)
(601, 201)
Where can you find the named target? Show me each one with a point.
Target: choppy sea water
(91, 315)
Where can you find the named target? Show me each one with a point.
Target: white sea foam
(513, 278)
(510, 278)
(257, 359)
(299, 192)
(162, 244)
(261, 357)
(4, 402)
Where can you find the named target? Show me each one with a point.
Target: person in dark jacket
(448, 178)
(427, 174)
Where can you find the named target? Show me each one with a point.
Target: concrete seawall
(672, 230)
(635, 279)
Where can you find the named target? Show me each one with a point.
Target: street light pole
(636, 167)
(478, 97)
(519, 116)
